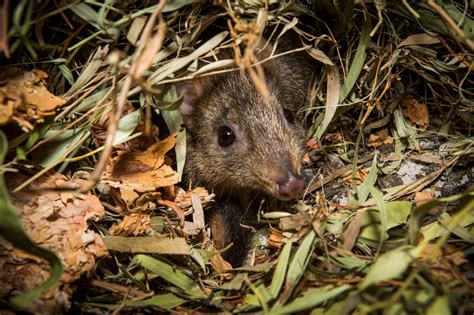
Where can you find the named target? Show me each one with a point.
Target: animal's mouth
(284, 197)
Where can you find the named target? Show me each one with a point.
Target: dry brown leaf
(359, 177)
(352, 230)
(333, 138)
(128, 195)
(419, 39)
(275, 240)
(173, 206)
(148, 244)
(312, 144)
(379, 138)
(148, 201)
(295, 221)
(423, 196)
(190, 228)
(142, 171)
(132, 224)
(183, 198)
(25, 99)
(219, 263)
(57, 221)
(416, 112)
(443, 261)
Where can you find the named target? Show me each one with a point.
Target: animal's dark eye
(226, 136)
(289, 115)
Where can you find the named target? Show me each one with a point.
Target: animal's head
(239, 142)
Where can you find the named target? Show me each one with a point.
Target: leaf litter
(385, 224)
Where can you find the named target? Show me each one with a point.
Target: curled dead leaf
(423, 196)
(380, 137)
(132, 224)
(183, 198)
(25, 99)
(219, 263)
(276, 239)
(359, 177)
(416, 112)
(143, 171)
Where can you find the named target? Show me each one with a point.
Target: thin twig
(454, 26)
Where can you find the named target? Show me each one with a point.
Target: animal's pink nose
(289, 186)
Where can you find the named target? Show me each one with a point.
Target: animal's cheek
(241, 150)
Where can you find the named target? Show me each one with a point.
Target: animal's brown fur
(267, 145)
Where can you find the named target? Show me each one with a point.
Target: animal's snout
(289, 185)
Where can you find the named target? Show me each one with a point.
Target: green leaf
(399, 149)
(311, 298)
(437, 229)
(260, 297)
(174, 121)
(280, 271)
(439, 306)
(12, 231)
(299, 262)
(359, 60)
(172, 275)
(234, 284)
(350, 262)
(36, 135)
(89, 102)
(89, 70)
(67, 74)
(389, 266)
(395, 309)
(180, 63)
(263, 267)
(367, 185)
(176, 4)
(396, 213)
(382, 213)
(59, 147)
(196, 255)
(96, 19)
(126, 125)
(419, 212)
(400, 123)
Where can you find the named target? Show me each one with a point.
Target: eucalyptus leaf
(419, 212)
(167, 301)
(388, 266)
(67, 74)
(280, 270)
(300, 261)
(367, 185)
(125, 127)
(59, 147)
(311, 298)
(172, 275)
(359, 60)
(397, 213)
(439, 306)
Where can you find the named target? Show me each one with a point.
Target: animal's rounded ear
(190, 90)
(265, 50)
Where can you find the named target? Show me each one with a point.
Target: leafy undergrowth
(91, 130)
